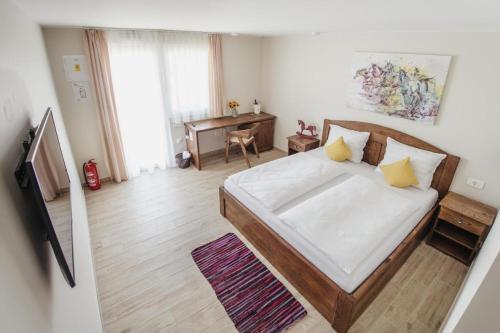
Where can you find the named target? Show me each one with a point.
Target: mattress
(425, 200)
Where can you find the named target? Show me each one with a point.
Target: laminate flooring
(143, 231)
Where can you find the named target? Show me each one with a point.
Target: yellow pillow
(399, 174)
(338, 150)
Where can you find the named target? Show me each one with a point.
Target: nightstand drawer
(296, 147)
(461, 221)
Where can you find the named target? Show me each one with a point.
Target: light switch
(476, 183)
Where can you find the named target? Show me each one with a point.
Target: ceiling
(270, 17)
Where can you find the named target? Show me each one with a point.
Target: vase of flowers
(233, 107)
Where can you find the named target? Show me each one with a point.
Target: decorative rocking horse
(310, 130)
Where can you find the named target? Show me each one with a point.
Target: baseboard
(233, 148)
(279, 149)
(102, 180)
(105, 180)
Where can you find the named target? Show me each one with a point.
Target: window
(159, 79)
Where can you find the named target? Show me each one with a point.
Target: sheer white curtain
(160, 79)
(185, 58)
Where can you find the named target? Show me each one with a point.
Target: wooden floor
(143, 232)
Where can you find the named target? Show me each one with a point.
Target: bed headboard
(375, 149)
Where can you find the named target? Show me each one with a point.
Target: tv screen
(50, 182)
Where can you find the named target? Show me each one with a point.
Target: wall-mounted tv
(51, 185)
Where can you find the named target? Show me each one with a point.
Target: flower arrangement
(233, 106)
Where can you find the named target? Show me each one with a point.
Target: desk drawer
(461, 221)
(296, 147)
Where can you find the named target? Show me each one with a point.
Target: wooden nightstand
(461, 227)
(297, 143)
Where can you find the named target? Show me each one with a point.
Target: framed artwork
(408, 86)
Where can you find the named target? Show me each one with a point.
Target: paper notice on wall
(75, 68)
(81, 91)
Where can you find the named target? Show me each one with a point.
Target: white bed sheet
(350, 220)
(348, 282)
(277, 182)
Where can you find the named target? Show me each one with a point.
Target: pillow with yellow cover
(400, 173)
(355, 140)
(338, 150)
(423, 162)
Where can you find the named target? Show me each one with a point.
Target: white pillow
(424, 162)
(354, 139)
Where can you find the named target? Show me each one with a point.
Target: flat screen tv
(51, 185)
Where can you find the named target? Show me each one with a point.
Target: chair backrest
(255, 128)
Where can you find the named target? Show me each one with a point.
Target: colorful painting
(408, 86)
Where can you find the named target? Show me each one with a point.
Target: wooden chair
(245, 138)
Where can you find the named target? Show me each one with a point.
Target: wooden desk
(264, 140)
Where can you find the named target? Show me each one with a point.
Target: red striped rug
(253, 298)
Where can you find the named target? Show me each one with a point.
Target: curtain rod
(155, 30)
(141, 29)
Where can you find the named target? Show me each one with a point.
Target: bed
(338, 292)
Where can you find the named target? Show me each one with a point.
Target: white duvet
(350, 220)
(278, 182)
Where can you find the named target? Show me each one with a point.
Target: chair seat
(234, 139)
(247, 137)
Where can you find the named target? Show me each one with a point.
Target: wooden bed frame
(339, 307)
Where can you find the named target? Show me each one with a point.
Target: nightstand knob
(460, 221)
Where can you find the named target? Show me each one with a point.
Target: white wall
(34, 296)
(242, 79)
(476, 307)
(306, 77)
(482, 313)
(80, 118)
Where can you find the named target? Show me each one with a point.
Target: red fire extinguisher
(91, 175)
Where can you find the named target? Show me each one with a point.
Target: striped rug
(253, 298)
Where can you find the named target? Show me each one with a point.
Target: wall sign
(81, 91)
(75, 68)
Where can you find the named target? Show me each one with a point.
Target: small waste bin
(183, 159)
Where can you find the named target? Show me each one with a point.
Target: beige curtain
(215, 78)
(98, 55)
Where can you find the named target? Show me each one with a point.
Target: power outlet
(476, 183)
